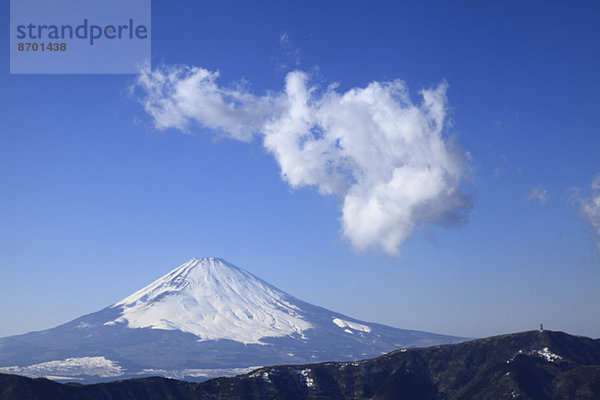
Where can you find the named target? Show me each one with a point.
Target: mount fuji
(205, 318)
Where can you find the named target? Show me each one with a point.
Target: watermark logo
(79, 36)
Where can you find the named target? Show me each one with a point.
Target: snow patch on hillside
(306, 378)
(59, 369)
(547, 355)
(352, 325)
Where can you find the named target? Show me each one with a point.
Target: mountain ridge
(534, 365)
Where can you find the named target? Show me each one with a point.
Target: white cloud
(590, 208)
(385, 157)
(175, 96)
(538, 193)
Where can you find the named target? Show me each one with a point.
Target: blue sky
(96, 202)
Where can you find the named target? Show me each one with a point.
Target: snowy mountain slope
(206, 315)
(213, 300)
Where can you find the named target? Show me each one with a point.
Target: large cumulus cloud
(385, 157)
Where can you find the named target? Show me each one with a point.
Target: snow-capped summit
(205, 318)
(213, 299)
